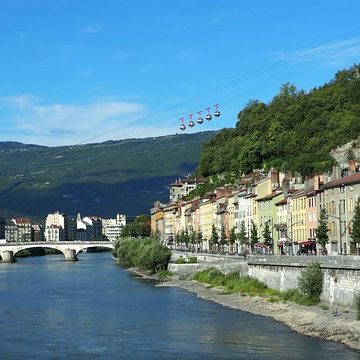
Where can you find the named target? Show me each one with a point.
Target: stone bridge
(70, 249)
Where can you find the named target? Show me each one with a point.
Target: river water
(94, 309)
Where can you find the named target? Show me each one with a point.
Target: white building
(58, 220)
(111, 228)
(54, 233)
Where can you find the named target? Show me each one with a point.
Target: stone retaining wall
(341, 273)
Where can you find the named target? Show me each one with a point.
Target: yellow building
(298, 222)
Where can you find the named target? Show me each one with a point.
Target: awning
(310, 242)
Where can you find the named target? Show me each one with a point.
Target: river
(94, 309)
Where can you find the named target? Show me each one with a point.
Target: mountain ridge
(98, 178)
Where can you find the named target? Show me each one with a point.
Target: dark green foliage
(267, 235)
(310, 282)
(143, 253)
(192, 260)
(141, 227)
(355, 235)
(322, 229)
(180, 260)
(242, 236)
(214, 236)
(223, 238)
(295, 131)
(199, 237)
(232, 237)
(101, 178)
(254, 239)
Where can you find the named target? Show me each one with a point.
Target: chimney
(286, 186)
(274, 179)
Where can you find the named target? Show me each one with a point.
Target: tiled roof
(347, 180)
(23, 221)
(269, 197)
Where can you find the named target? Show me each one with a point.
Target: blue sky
(76, 71)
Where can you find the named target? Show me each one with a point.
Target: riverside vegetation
(146, 254)
(308, 292)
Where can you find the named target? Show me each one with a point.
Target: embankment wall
(341, 273)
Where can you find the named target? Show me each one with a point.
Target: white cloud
(333, 54)
(27, 119)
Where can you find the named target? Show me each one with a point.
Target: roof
(23, 221)
(347, 180)
(269, 197)
(281, 202)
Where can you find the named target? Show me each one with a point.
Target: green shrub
(310, 282)
(164, 273)
(144, 253)
(246, 285)
(192, 260)
(180, 260)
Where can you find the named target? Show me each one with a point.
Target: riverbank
(329, 324)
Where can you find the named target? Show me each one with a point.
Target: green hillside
(295, 131)
(100, 179)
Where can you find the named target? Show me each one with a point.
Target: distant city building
(111, 228)
(37, 232)
(58, 220)
(11, 231)
(182, 187)
(2, 227)
(54, 233)
(18, 230)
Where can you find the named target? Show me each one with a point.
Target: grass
(164, 273)
(190, 260)
(234, 283)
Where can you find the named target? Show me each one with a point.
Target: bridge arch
(70, 249)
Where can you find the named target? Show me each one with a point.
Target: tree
(232, 238)
(192, 239)
(214, 236)
(322, 229)
(141, 227)
(223, 238)
(355, 235)
(199, 238)
(254, 239)
(242, 236)
(268, 240)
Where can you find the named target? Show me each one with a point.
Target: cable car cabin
(217, 113)
(200, 120)
(182, 127)
(208, 117)
(191, 123)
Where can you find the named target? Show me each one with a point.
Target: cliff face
(345, 153)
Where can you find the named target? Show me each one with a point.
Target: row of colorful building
(289, 205)
(61, 227)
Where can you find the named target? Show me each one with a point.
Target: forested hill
(295, 131)
(94, 179)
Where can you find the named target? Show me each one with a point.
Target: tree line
(295, 131)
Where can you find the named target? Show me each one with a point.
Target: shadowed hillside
(102, 179)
